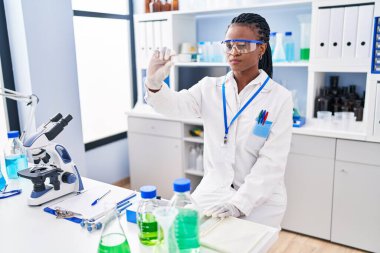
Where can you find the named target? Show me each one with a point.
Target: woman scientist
(247, 120)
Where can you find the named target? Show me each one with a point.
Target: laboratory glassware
(165, 216)
(186, 224)
(113, 239)
(15, 155)
(279, 52)
(305, 36)
(272, 41)
(199, 160)
(2, 180)
(148, 228)
(289, 47)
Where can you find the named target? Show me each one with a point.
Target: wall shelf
(194, 172)
(225, 64)
(193, 139)
(279, 4)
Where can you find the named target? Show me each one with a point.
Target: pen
(132, 195)
(265, 117)
(259, 118)
(98, 199)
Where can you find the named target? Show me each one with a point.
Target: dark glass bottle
(358, 110)
(334, 81)
(321, 101)
(336, 105)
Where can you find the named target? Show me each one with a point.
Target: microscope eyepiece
(56, 117)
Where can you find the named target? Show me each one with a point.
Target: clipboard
(81, 203)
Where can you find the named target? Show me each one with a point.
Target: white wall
(43, 56)
(109, 163)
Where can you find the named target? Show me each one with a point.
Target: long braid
(255, 21)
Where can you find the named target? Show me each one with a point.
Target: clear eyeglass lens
(241, 47)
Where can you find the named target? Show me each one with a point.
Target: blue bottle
(289, 47)
(15, 155)
(2, 180)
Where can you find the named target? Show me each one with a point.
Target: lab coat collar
(232, 91)
(257, 81)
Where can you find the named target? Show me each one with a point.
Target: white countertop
(29, 229)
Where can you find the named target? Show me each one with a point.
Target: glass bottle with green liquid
(148, 228)
(186, 224)
(113, 239)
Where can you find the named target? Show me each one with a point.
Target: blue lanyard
(226, 126)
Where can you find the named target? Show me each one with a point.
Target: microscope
(51, 161)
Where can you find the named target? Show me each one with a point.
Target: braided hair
(255, 21)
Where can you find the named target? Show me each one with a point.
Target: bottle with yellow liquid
(113, 239)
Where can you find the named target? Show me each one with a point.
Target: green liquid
(186, 228)
(148, 232)
(305, 54)
(114, 243)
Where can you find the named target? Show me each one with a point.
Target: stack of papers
(231, 234)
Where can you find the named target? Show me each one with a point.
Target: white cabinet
(309, 183)
(356, 209)
(155, 158)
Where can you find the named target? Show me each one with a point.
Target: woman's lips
(234, 61)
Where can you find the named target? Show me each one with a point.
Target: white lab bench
(30, 229)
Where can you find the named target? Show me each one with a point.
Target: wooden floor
(289, 242)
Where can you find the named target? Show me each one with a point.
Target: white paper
(81, 204)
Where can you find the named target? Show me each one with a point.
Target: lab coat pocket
(258, 136)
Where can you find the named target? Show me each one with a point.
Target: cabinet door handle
(343, 170)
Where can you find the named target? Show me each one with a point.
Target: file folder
(377, 111)
(349, 32)
(142, 44)
(323, 33)
(157, 34)
(150, 37)
(165, 33)
(336, 33)
(363, 40)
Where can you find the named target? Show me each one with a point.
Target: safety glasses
(242, 46)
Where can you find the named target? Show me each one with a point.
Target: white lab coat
(254, 165)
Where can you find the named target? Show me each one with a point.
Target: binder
(323, 33)
(363, 39)
(150, 37)
(165, 34)
(336, 33)
(142, 43)
(377, 111)
(349, 32)
(157, 34)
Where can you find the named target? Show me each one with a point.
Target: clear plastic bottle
(113, 239)
(15, 155)
(146, 221)
(279, 52)
(199, 160)
(186, 224)
(289, 47)
(201, 52)
(272, 41)
(2, 180)
(192, 158)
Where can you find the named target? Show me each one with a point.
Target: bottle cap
(181, 185)
(148, 192)
(201, 42)
(273, 34)
(13, 134)
(288, 33)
